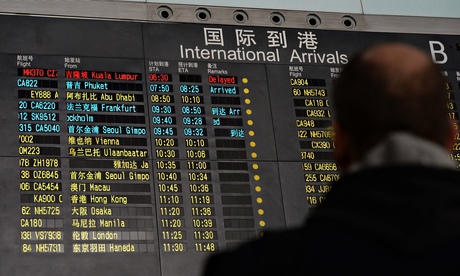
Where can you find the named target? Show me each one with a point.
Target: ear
(342, 153)
(451, 137)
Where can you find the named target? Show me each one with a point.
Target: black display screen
(141, 148)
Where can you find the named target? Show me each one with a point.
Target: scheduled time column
(167, 165)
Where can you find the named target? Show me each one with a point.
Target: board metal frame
(178, 13)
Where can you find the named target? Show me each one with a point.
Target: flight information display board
(141, 148)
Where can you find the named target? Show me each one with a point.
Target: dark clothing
(392, 220)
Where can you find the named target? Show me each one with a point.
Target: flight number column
(41, 223)
(313, 122)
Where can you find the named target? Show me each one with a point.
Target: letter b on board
(437, 52)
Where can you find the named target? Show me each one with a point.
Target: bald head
(401, 58)
(400, 65)
(387, 88)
